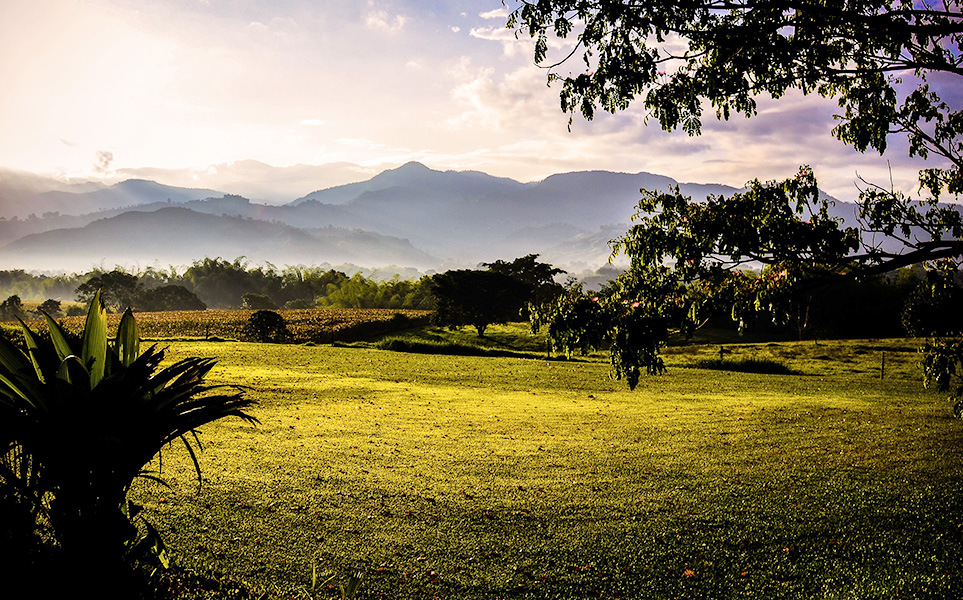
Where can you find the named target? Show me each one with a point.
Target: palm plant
(84, 422)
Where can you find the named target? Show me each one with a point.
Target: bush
(266, 326)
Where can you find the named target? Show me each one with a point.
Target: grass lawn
(479, 477)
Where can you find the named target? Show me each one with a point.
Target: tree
(51, 307)
(117, 289)
(12, 308)
(877, 58)
(935, 308)
(539, 277)
(252, 301)
(574, 321)
(168, 297)
(221, 284)
(477, 298)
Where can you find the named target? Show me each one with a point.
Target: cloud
(103, 160)
(379, 20)
(498, 13)
(312, 123)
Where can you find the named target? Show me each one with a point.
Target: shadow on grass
(746, 365)
(452, 349)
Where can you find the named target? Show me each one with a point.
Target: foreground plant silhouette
(84, 422)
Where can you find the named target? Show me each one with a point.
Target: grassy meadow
(443, 476)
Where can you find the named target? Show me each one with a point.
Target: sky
(107, 89)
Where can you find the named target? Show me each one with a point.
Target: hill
(177, 235)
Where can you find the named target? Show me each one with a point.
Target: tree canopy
(888, 63)
(894, 68)
(117, 289)
(477, 298)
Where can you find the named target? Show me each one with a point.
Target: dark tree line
(220, 284)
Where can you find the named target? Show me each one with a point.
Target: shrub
(266, 326)
(79, 422)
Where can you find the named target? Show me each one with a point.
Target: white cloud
(312, 123)
(498, 13)
(379, 20)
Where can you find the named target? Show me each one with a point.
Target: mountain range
(411, 216)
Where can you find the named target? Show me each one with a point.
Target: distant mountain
(17, 201)
(410, 216)
(177, 235)
(417, 179)
(257, 180)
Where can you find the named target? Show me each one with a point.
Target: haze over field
(273, 101)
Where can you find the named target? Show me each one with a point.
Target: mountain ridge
(427, 217)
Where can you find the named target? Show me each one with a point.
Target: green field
(520, 477)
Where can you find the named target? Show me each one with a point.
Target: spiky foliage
(88, 420)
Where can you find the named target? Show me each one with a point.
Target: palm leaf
(15, 375)
(33, 350)
(57, 337)
(72, 371)
(128, 339)
(94, 348)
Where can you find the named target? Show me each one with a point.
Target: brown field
(317, 325)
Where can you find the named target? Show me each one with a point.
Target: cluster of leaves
(670, 56)
(935, 307)
(79, 424)
(942, 360)
(573, 321)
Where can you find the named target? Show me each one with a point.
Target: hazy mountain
(417, 180)
(409, 216)
(256, 180)
(17, 188)
(126, 194)
(177, 235)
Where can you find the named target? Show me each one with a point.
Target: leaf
(128, 339)
(33, 350)
(61, 345)
(73, 371)
(94, 348)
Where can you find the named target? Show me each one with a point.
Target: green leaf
(94, 348)
(58, 338)
(128, 339)
(73, 371)
(33, 349)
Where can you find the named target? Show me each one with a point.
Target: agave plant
(86, 421)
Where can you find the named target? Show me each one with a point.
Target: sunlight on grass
(475, 477)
